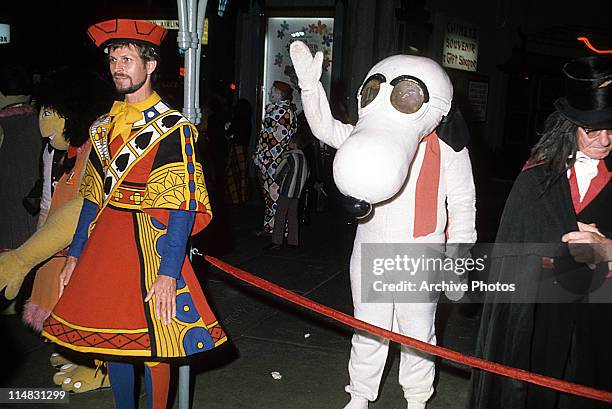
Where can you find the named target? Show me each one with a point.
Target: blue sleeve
(87, 215)
(180, 224)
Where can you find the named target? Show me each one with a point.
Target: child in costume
(291, 176)
(69, 102)
(144, 195)
(423, 190)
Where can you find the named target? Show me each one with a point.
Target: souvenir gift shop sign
(460, 49)
(5, 33)
(317, 32)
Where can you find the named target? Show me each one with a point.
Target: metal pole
(187, 40)
(183, 390)
(190, 60)
(191, 21)
(184, 42)
(200, 29)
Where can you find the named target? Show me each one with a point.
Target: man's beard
(132, 88)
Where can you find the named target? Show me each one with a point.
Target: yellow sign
(205, 32)
(167, 24)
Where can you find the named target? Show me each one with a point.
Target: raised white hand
(307, 67)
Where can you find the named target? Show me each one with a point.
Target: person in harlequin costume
(69, 102)
(128, 289)
(421, 185)
(279, 126)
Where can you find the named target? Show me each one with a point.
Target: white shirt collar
(586, 169)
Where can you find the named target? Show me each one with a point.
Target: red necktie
(426, 192)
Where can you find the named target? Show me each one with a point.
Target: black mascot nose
(356, 208)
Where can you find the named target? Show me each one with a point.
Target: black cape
(531, 215)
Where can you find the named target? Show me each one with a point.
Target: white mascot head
(402, 100)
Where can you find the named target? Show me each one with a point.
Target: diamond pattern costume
(278, 128)
(136, 178)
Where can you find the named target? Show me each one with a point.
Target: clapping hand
(588, 245)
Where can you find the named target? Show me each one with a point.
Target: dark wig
(77, 96)
(556, 149)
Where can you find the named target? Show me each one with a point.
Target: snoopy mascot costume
(412, 186)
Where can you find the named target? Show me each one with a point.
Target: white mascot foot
(357, 402)
(415, 405)
(85, 379)
(58, 360)
(64, 372)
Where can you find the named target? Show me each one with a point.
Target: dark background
(48, 35)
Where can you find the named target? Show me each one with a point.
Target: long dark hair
(556, 149)
(78, 96)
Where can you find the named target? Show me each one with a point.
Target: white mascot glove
(307, 68)
(455, 294)
(457, 251)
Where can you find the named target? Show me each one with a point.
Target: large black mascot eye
(370, 89)
(409, 94)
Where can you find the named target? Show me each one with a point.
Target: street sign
(5, 33)
(167, 24)
(460, 49)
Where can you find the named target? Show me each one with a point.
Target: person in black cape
(552, 324)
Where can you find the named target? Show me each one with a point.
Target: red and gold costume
(136, 178)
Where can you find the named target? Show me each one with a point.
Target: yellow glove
(55, 235)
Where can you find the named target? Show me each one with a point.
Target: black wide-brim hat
(588, 86)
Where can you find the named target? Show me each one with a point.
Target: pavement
(268, 335)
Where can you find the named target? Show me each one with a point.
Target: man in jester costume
(128, 289)
(416, 184)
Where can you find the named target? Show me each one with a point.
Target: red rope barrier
(508, 371)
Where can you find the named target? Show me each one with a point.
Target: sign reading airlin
(174, 25)
(5, 33)
(460, 50)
